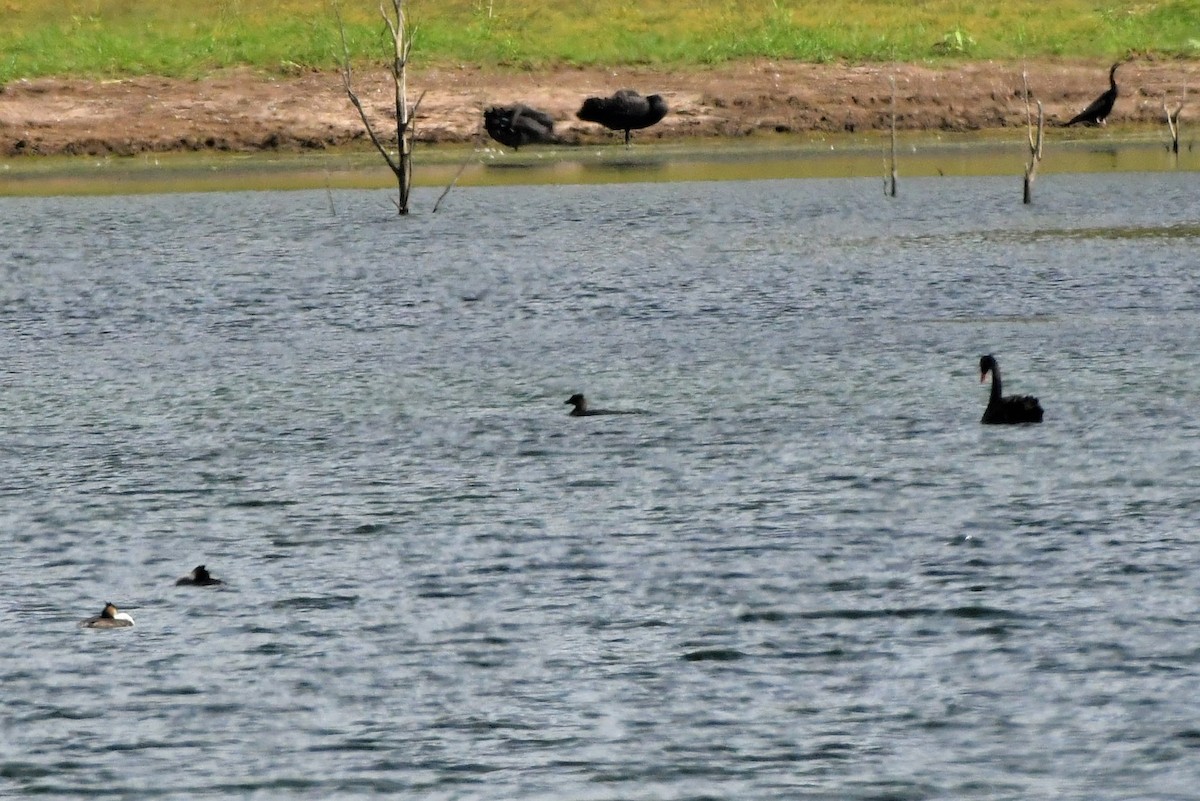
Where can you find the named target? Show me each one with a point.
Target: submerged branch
(1173, 121)
(1036, 141)
(893, 175)
(461, 168)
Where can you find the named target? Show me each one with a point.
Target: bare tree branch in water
(400, 162)
(1173, 120)
(1035, 142)
(890, 185)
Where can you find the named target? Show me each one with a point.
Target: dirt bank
(246, 111)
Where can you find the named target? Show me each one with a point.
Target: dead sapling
(1173, 121)
(1035, 140)
(399, 162)
(889, 182)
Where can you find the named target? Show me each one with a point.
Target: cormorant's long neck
(995, 397)
(1112, 78)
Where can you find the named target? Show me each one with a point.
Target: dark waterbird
(581, 408)
(200, 577)
(624, 111)
(518, 125)
(109, 618)
(1099, 109)
(1013, 409)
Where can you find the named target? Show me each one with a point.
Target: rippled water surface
(805, 571)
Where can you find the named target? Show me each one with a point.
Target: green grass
(180, 38)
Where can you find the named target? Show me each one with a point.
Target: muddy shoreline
(244, 111)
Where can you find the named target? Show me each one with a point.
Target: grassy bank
(123, 37)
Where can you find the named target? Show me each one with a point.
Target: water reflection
(849, 156)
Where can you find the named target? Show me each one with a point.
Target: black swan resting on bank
(1014, 409)
(581, 408)
(624, 111)
(1102, 106)
(518, 125)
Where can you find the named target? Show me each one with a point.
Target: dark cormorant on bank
(1102, 106)
(624, 111)
(581, 408)
(1013, 409)
(518, 125)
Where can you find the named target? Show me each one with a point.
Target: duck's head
(111, 613)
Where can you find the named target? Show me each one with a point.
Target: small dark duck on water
(200, 577)
(582, 410)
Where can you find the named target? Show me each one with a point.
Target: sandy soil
(245, 111)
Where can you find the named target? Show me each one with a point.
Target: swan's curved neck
(995, 384)
(1112, 77)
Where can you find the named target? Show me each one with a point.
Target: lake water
(806, 571)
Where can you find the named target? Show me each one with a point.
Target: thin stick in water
(1035, 142)
(453, 181)
(1173, 121)
(892, 184)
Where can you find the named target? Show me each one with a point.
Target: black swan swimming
(1013, 409)
(518, 125)
(581, 408)
(200, 577)
(624, 111)
(1099, 109)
